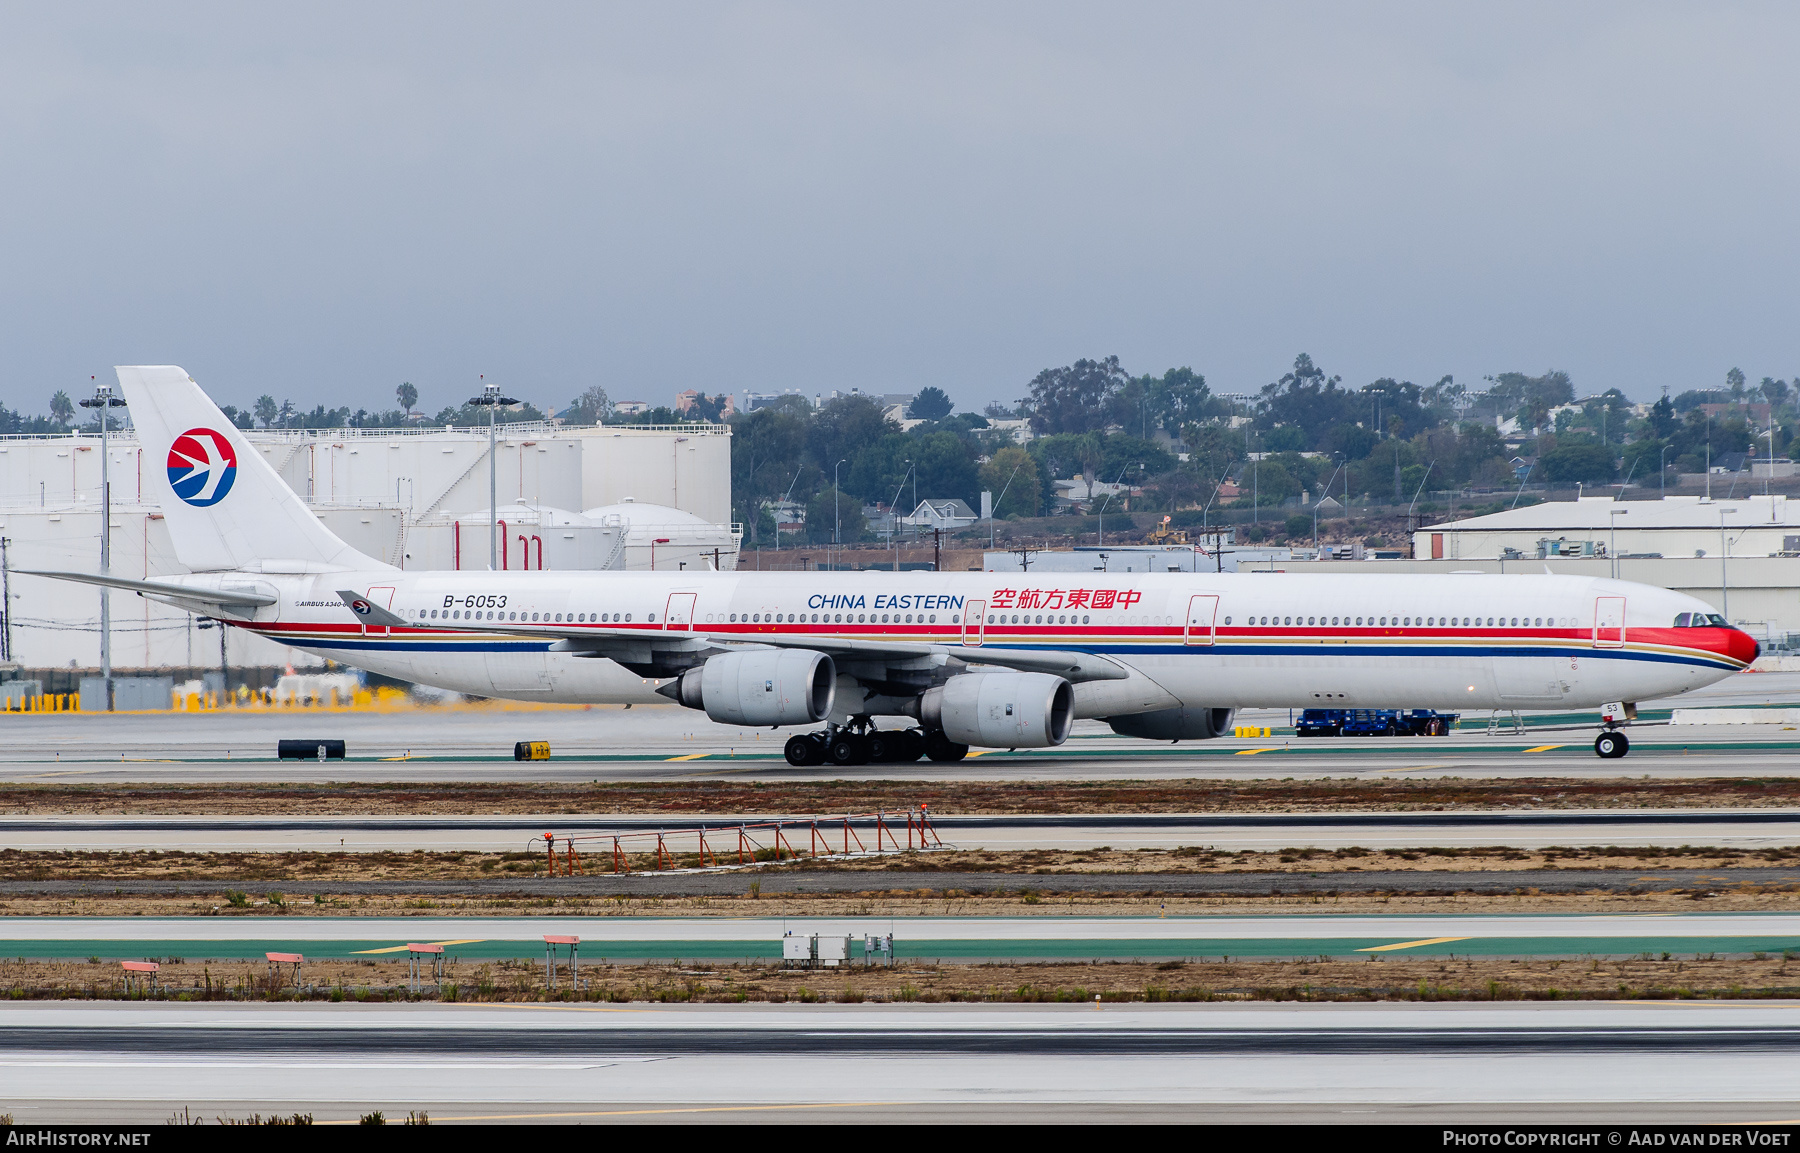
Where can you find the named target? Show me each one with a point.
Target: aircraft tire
(912, 745)
(1611, 746)
(942, 749)
(847, 749)
(885, 747)
(805, 749)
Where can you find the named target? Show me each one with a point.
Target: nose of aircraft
(1737, 644)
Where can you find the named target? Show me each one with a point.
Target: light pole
(894, 514)
(1327, 493)
(1612, 537)
(102, 400)
(1109, 496)
(491, 400)
(837, 518)
(1662, 466)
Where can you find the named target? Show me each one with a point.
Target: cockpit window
(1701, 621)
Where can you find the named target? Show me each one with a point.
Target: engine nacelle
(1177, 724)
(1001, 710)
(761, 687)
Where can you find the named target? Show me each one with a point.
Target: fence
(739, 846)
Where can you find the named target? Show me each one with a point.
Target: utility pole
(837, 518)
(937, 549)
(491, 400)
(102, 400)
(6, 603)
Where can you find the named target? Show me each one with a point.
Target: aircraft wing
(1072, 665)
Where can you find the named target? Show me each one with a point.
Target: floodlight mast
(491, 400)
(102, 400)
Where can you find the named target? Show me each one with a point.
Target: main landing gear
(1611, 745)
(864, 744)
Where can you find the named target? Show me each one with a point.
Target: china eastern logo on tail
(202, 466)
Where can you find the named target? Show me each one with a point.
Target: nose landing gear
(1611, 744)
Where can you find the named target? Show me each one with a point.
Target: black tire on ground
(912, 745)
(884, 747)
(1611, 745)
(941, 748)
(803, 750)
(847, 749)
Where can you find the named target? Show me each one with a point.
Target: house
(943, 514)
(631, 407)
(1078, 489)
(684, 402)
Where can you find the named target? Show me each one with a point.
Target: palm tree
(62, 409)
(408, 395)
(266, 410)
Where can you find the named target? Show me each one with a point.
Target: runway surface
(1738, 828)
(1717, 1061)
(1039, 938)
(662, 743)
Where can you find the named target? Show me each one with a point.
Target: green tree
(930, 404)
(267, 410)
(1011, 475)
(1734, 380)
(843, 428)
(1074, 399)
(62, 409)
(408, 395)
(1182, 398)
(591, 407)
(831, 510)
(1586, 463)
(1661, 421)
(766, 446)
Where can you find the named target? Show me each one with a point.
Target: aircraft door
(680, 611)
(974, 622)
(1202, 619)
(1609, 622)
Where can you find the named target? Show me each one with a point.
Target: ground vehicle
(1373, 723)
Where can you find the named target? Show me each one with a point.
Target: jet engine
(761, 687)
(1177, 724)
(1001, 710)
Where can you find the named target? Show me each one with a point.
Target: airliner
(948, 661)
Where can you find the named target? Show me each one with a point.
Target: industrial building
(592, 497)
(1741, 555)
(1675, 526)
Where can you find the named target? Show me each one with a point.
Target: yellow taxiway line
(1412, 944)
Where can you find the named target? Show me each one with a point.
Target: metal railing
(743, 845)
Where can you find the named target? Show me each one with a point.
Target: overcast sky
(321, 201)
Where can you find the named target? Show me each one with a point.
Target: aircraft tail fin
(225, 505)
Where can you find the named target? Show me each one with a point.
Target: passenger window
(1084, 620)
(1227, 620)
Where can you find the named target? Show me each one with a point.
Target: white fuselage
(1203, 640)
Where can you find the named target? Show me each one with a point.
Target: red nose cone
(1737, 644)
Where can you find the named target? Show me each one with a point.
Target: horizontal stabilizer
(243, 598)
(369, 611)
